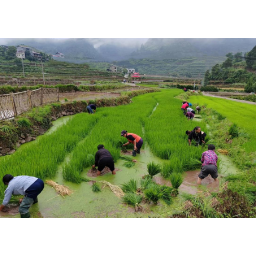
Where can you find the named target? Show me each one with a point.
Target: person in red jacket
(184, 107)
(135, 139)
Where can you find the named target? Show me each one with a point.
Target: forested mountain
(182, 57)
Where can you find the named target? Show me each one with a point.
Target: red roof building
(135, 75)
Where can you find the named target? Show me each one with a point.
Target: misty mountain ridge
(85, 49)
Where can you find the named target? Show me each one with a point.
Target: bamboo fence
(14, 104)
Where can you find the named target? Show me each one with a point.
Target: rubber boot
(35, 201)
(138, 151)
(25, 215)
(134, 153)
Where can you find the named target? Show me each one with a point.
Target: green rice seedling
(176, 179)
(153, 193)
(90, 159)
(166, 171)
(126, 158)
(153, 169)
(132, 199)
(96, 187)
(144, 183)
(166, 194)
(130, 186)
(129, 164)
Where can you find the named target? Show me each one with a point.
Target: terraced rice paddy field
(159, 183)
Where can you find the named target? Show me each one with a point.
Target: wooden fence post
(13, 105)
(42, 95)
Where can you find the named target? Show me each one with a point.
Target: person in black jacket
(90, 108)
(103, 158)
(197, 135)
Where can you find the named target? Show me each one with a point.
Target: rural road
(242, 101)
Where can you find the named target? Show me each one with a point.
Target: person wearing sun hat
(134, 139)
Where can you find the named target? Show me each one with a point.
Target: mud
(93, 172)
(71, 96)
(10, 209)
(189, 184)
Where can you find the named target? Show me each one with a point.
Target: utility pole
(22, 67)
(43, 71)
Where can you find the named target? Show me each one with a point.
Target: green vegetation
(153, 169)
(96, 187)
(176, 180)
(130, 186)
(132, 199)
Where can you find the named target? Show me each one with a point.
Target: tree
(207, 77)
(11, 53)
(249, 85)
(254, 87)
(230, 55)
(227, 63)
(18, 62)
(251, 58)
(238, 56)
(216, 72)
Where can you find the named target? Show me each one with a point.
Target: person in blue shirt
(28, 186)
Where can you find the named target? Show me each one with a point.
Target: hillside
(178, 57)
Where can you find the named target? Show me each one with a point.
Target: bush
(24, 122)
(233, 131)
(209, 89)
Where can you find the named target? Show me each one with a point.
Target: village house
(112, 68)
(130, 70)
(59, 55)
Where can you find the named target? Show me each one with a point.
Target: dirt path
(242, 101)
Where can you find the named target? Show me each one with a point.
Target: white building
(20, 54)
(130, 70)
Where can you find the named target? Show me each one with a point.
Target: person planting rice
(198, 109)
(103, 159)
(184, 107)
(188, 132)
(135, 139)
(191, 110)
(28, 186)
(90, 108)
(197, 135)
(209, 164)
(190, 115)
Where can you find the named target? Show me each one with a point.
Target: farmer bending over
(135, 139)
(209, 164)
(190, 115)
(184, 107)
(90, 108)
(103, 158)
(197, 135)
(28, 186)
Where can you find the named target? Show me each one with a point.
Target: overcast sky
(95, 41)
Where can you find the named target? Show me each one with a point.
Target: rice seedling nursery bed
(66, 153)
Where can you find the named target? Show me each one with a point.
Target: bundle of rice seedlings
(152, 193)
(166, 194)
(166, 171)
(144, 183)
(114, 188)
(60, 189)
(133, 199)
(126, 158)
(153, 169)
(176, 179)
(223, 151)
(96, 187)
(129, 164)
(130, 186)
